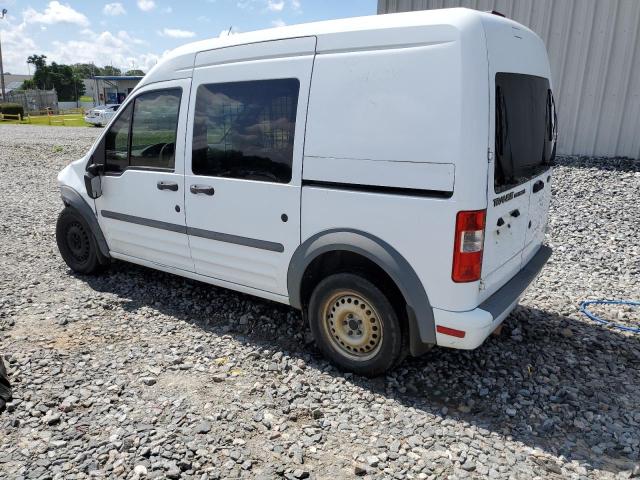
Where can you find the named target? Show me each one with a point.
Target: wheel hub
(352, 325)
(78, 241)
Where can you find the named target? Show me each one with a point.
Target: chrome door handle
(173, 186)
(206, 189)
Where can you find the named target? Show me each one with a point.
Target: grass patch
(71, 120)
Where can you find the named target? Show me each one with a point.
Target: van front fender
(419, 310)
(71, 198)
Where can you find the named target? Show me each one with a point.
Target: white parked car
(387, 175)
(101, 115)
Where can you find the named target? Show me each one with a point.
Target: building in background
(14, 82)
(110, 89)
(594, 49)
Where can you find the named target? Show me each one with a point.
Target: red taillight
(468, 245)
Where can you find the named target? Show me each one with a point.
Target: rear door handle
(206, 189)
(173, 186)
(539, 185)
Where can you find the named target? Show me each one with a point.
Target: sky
(132, 34)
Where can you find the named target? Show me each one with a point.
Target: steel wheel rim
(352, 325)
(78, 242)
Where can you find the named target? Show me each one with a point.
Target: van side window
(246, 129)
(153, 134)
(117, 143)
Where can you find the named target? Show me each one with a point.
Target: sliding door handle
(173, 186)
(206, 189)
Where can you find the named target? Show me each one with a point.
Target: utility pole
(2, 15)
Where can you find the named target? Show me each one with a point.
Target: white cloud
(55, 12)
(177, 33)
(278, 23)
(16, 47)
(122, 34)
(119, 49)
(275, 5)
(114, 9)
(115, 49)
(146, 5)
(246, 4)
(270, 5)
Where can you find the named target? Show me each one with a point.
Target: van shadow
(548, 381)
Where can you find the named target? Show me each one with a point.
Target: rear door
(518, 193)
(244, 160)
(522, 140)
(540, 197)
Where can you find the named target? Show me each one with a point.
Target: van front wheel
(355, 324)
(76, 242)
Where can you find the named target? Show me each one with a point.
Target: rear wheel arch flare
(377, 252)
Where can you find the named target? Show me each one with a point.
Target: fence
(8, 116)
(74, 105)
(34, 100)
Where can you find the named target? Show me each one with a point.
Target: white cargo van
(387, 175)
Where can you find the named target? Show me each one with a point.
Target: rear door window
(525, 129)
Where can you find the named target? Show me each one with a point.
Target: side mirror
(92, 181)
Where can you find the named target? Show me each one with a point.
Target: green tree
(41, 75)
(62, 78)
(68, 85)
(110, 70)
(86, 70)
(135, 72)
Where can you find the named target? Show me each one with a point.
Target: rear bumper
(467, 330)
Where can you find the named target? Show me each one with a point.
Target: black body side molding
(419, 311)
(71, 198)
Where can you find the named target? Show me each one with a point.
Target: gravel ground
(137, 373)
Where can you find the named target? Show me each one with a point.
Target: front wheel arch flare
(71, 198)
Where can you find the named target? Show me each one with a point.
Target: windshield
(525, 129)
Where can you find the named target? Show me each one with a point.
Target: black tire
(76, 243)
(5, 387)
(355, 325)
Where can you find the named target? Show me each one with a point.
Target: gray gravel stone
(239, 392)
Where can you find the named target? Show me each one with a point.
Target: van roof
(177, 62)
(449, 16)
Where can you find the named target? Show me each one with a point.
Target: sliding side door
(244, 157)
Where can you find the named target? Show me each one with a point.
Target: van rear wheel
(355, 324)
